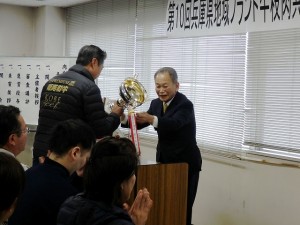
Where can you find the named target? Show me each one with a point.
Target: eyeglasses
(19, 132)
(26, 130)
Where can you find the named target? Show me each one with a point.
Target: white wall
(28, 31)
(50, 24)
(17, 26)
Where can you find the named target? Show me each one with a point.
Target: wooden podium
(167, 184)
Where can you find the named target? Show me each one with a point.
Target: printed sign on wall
(22, 80)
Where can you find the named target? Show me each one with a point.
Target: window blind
(272, 118)
(210, 72)
(109, 24)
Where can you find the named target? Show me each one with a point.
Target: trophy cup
(133, 94)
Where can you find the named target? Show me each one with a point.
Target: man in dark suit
(176, 129)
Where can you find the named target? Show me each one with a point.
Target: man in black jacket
(74, 95)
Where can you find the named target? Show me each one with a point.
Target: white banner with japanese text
(186, 18)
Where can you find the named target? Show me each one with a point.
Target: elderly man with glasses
(13, 131)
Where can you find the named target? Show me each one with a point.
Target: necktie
(165, 106)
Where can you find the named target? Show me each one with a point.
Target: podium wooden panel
(167, 184)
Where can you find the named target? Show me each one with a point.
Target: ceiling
(37, 3)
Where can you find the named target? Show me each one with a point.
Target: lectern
(167, 184)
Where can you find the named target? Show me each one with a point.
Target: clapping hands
(140, 208)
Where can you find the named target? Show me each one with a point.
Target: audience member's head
(70, 144)
(109, 175)
(13, 130)
(12, 181)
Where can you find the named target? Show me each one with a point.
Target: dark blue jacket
(47, 187)
(78, 210)
(72, 95)
(176, 132)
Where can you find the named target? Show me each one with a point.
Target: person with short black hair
(109, 178)
(74, 95)
(48, 184)
(13, 131)
(12, 179)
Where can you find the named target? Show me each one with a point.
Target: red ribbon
(133, 132)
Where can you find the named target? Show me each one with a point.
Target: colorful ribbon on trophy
(133, 131)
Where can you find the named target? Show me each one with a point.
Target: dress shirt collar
(7, 152)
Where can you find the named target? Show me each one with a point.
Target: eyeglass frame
(25, 131)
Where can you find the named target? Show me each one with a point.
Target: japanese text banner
(185, 18)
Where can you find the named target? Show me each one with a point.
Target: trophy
(133, 94)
